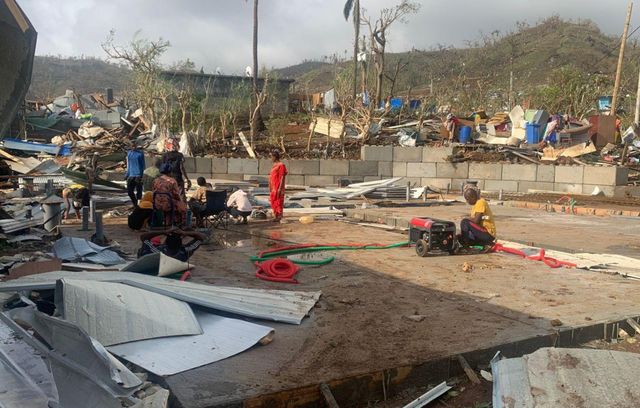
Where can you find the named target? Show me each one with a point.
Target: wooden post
(636, 118)
(313, 129)
(616, 86)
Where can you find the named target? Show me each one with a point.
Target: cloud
(219, 32)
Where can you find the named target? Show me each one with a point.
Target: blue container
(465, 134)
(533, 133)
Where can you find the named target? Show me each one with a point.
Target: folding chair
(215, 212)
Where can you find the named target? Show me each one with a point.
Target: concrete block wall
(423, 166)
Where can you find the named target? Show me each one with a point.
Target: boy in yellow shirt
(479, 228)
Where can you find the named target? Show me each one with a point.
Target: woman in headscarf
(172, 197)
(479, 228)
(277, 179)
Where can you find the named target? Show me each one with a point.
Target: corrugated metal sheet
(222, 337)
(277, 305)
(25, 378)
(157, 264)
(77, 249)
(113, 313)
(567, 378)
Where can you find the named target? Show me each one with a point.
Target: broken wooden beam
(634, 325)
(328, 396)
(473, 377)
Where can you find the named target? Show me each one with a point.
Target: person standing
(175, 159)
(150, 174)
(277, 180)
(167, 196)
(135, 169)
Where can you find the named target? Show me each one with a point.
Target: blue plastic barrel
(533, 133)
(465, 134)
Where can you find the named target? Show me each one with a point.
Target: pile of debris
(58, 350)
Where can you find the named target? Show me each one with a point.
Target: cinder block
(525, 186)
(546, 173)
(304, 167)
(226, 176)
(399, 169)
(376, 153)
(264, 166)
(568, 187)
(443, 184)
(485, 171)
(203, 165)
(609, 191)
(260, 177)
(436, 154)
(363, 168)
(348, 179)
(625, 191)
(190, 164)
(242, 166)
(407, 154)
(519, 172)
(421, 170)
(497, 185)
(570, 175)
(452, 170)
(458, 183)
(606, 176)
(371, 178)
(194, 177)
(334, 167)
(295, 180)
(319, 181)
(218, 165)
(415, 181)
(385, 169)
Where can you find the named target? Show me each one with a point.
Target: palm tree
(352, 7)
(256, 120)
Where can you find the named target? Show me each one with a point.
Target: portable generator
(430, 234)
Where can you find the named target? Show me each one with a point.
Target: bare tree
(143, 57)
(378, 31)
(256, 115)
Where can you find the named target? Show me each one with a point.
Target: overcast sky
(217, 33)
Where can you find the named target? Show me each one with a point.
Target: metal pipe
(99, 227)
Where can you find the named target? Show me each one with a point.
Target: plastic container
(465, 134)
(307, 219)
(533, 133)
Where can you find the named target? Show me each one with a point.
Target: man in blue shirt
(135, 169)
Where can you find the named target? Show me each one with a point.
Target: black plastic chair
(215, 213)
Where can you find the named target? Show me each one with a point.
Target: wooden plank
(473, 377)
(634, 324)
(328, 396)
(246, 144)
(9, 156)
(328, 127)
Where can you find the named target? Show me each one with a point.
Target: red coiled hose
(277, 270)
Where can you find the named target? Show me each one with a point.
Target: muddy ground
(362, 323)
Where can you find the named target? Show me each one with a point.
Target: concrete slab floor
(360, 324)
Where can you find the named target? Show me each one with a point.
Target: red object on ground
(550, 262)
(185, 275)
(277, 270)
(421, 222)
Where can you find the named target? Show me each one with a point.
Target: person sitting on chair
(173, 245)
(167, 194)
(198, 201)
(239, 206)
(141, 214)
(479, 228)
